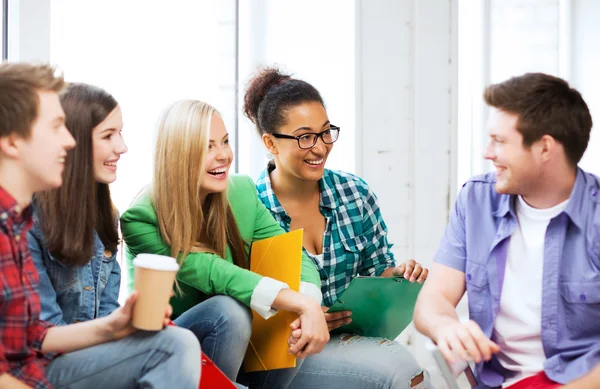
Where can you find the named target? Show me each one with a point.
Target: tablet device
(451, 372)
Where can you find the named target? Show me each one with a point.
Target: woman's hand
(412, 271)
(336, 319)
(309, 332)
(118, 325)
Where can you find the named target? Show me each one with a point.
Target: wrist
(306, 304)
(102, 329)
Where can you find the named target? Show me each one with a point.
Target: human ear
(547, 147)
(270, 144)
(9, 145)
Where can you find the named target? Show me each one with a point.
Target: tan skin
(295, 182)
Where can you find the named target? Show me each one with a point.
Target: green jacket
(205, 274)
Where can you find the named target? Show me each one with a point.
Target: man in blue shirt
(524, 243)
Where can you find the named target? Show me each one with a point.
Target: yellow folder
(279, 257)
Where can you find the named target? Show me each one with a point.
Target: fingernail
(348, 321)
(348, 313)
(412, 279)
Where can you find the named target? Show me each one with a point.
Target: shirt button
(17, 209)
(107, 253)
(326, 250)
(469, 277)
(582, 297)
(4, 216)
(594, 193)
(88, 288)
(17, 238)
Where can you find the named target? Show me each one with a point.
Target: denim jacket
(70, 294)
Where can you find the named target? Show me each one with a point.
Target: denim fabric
(350, 362)
(223, 326)
(70, 294)
(476, 243)
(150, 360)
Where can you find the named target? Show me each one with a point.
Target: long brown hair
(70, 214)
(187, 224)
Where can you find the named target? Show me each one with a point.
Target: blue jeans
(150, 360)
(223, 326)
(348, 362)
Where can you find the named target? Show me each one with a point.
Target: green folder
(381, 306)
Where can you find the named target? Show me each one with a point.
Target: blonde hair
(186, 223)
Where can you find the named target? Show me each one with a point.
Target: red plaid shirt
(21, 330)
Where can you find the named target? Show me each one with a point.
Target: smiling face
(218, 158)
(517, 168)
(44, 151)
(108, 145)
(305, 164)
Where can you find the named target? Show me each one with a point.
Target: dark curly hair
(270, 93)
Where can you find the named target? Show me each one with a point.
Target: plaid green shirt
(355, 240)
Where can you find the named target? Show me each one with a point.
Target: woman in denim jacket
(74, 238)
(73, 244)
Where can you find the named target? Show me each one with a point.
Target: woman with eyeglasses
(344, 233)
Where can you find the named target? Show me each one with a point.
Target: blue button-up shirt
(476, 243)
(70, 294)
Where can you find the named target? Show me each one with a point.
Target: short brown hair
(545, 105)
(19, 101)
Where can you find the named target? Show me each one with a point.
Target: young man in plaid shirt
(100, 353)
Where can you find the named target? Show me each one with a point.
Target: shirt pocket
(63, 277)
(353, 248)
(582, 307)
(478, 292)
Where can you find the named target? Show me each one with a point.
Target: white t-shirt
(518, 325)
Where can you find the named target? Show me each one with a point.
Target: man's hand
(465, 340)
(336, 319)
(412, 271)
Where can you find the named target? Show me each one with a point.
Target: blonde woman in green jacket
(196, 212)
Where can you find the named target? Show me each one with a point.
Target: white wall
(313, 40)
(585, 63)
(406, 124)
(407, 79)
(28, 30)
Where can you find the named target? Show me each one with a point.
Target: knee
(234, 317)
(185, 348)
(400, 366)
(181, 340)
(410, 372)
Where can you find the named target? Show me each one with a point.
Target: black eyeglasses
(308, 140)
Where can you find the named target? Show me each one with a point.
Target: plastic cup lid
(156, 262)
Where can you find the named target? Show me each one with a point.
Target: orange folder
(279, 257)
